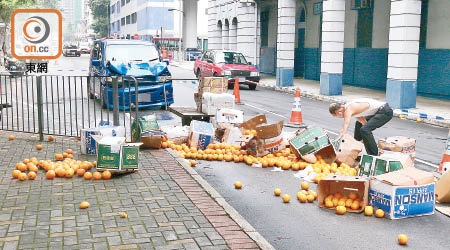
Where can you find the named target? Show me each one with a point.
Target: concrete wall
(380, 35)
(438, 35)
(312, 26)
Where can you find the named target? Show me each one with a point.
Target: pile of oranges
(213, 152)
(323, 169)
(303, 196)
(342, 202)
(64, 167)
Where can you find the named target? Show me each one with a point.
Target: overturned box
(398, 144)
(404, 193)
(376, 165)
(201, 134)
(345, 185)
(347, 150)
(116, 155)
(313, 141)
(226, 115)
(88, 145)
(268, 140)
(443, 188)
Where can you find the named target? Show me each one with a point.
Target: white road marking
(334, 133)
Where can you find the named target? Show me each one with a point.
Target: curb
(318, 97)
(243, 223)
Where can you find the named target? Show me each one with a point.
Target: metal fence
(62, 105)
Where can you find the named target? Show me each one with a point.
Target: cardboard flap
(252, 123)
(397, 143)
(406, 177)
(405, 160)
(347, 142)
(269, 131)
(245, 138)
(443, 188)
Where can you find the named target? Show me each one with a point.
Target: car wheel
(230, 86)
(215, 74)
(198, 74)
(252, 86)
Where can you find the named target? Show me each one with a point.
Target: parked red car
(227, 64)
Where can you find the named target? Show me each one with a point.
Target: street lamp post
(181, 31)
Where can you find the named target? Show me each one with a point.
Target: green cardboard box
(142, 125)
(314, 141)
(116, 155)
(130, 156)
(377, 165)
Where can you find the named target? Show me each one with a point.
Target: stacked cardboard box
(116, 155)
(88, 144)
(398, 144)
(215, 85)
(146, 130)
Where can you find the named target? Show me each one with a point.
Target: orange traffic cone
(445, 157)
(237, 96)
(296, 114)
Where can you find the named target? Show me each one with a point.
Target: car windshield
(131, 52)
(230, 58)
(84, 44)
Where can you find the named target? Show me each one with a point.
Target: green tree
(100, 13)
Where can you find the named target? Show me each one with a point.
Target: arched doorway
(219, 35)
(226, 35)
(233, 34)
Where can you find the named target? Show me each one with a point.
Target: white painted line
(427, 163)
(267, 111)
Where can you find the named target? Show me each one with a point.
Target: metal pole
(115, 96)
(181, 32)
(40, 109)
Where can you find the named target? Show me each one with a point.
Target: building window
(118, 7)
(118, 25)
(264, 28)
(128, 1)
(112, 27)
(128, 19)
(113, 8)
(423, 25)
(122, 2)
(122, 21)
(133, 17)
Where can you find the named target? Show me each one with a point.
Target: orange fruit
(59, 157)
(310, 198)
(97, 176)
(39, 147)
(65, 155)
(221, 157)
(368, 211)
(355, 205)
(33, 169)
(314, 193)
(70, 156)
(25, 161)
(379, 213)
(402, 239)
(22, 167)
(22, 177)
(192, 163)
(60, 172)
(338, 195)
(50, 174)
(80, 172)
(286, 198)
(94, 163)
(237, 184)
(84, 205)
(69, 151)
(335, 201)
(348, 203)
(15, 174)
(69, 173)
(51, 138)
(329, 204)
(106, 175)
(353, 196)
(277, 192)
(301, 197)
(84, 166)
(123, 215)
(341, 210)
(87, 176)
(305, 185)
(31, 175)
(11, 137)
(164, 144)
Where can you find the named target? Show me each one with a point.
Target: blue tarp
(138, 69)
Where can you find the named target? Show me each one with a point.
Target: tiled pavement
(166, 208)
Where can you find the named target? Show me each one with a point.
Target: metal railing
(62, 105)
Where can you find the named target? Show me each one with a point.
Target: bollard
(40, 107)
(115, 96)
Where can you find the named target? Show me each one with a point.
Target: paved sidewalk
(428, 107)
(166, 207)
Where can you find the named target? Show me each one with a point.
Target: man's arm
(347, 118)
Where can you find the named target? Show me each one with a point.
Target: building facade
(401, 46)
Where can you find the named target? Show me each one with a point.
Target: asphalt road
(305, 226)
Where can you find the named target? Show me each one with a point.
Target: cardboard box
(399, 144)
(347, 150)
(376, 165)
(232, 116)
(201, 134)
(214, 82)
(268, 140)
(345, 185)
(232, 136)
(142, 125)
(405, 193)
(88, 145)
(313, 141)
(443, 188)
(116, 155)
(213, 102)
(152, 139)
